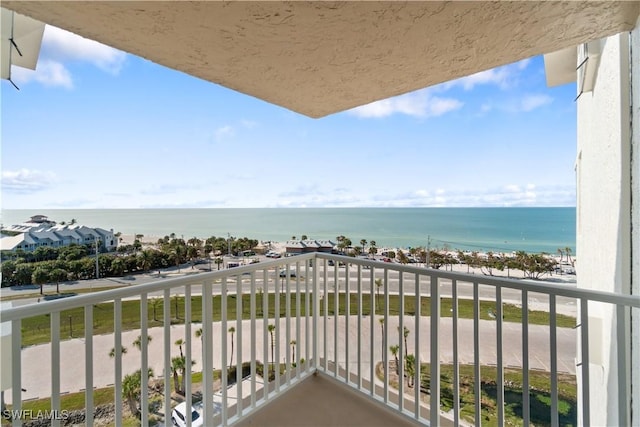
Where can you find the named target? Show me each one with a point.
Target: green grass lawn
(36, 330)
(102, 396)
(540, 397)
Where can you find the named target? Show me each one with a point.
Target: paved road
(36, 360)
(536, 301)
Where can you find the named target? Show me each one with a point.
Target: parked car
(283, 273)
(273, 255)
(179, 414)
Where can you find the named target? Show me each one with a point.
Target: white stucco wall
(635, 220)
(604, 215)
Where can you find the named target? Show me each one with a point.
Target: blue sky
(94, 127)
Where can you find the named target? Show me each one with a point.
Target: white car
(179, 413)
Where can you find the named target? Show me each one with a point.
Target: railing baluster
(476, 355)
(276, 362)
(623, 372)
(434, 384)
(385, 338)
(309, 285)
(166, 344)
(526, 407)
(584, 335)
(456, 365)
(144, 359)
(223, 348)
(287, 339)
(187, 351)
(207, 352)
(372, 327)
(239, 370)
(55, 364)
(325, 303)
(347, 314)
(298, 344)
(88, 365)
(402, 352)
(117, 333)
(316, 315)
(16, 369)
(359, 350)
(553, 348)
(265, 329)
(417, 309)
(252, 309)
(499, 349)
(336, 312)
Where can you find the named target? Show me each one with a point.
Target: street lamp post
(97, 265)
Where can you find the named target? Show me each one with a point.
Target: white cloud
(25, 181)
(504, 77)
(224, 132)
(61, 45)
(417, 104)
(249, 124)
(531, 102)
(48, 73)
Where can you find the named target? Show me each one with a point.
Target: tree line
(78, 262)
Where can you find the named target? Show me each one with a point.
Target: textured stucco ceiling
(318, 58)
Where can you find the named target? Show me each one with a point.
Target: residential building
(607, 74)
(40, 231)
(308, 246)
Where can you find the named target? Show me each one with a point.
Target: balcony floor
(321, 401)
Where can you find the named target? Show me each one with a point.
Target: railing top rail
(136, 290)
(45, 307)
(518, 284)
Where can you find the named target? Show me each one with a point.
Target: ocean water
(483, 229)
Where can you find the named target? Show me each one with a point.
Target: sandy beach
(280, 247)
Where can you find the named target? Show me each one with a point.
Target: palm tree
(177, 364)
(381, 320)
(144, 259)
(137, 343)
(567, 250)
(378, 283)
(112, 352)
(561, 252)
(180, 342)
(394, 350)
(271, 328)
(373, 250)
(410, 368)
(132, 387)
(363, 242)
(232, 331)
(40, 276)
(406, 334)
(58, 275)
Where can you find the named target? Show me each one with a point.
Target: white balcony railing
(303, 325)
